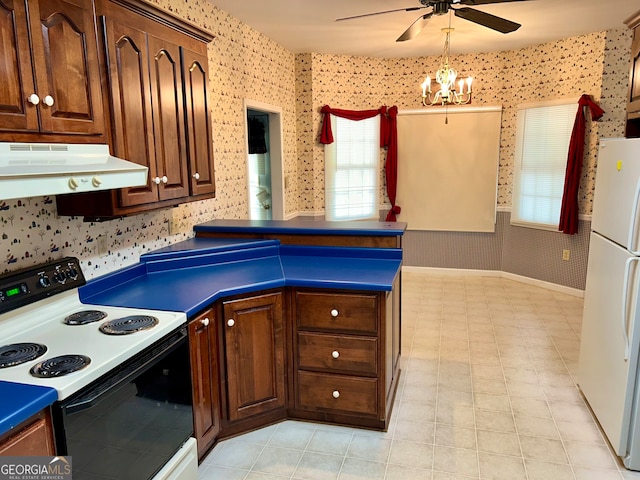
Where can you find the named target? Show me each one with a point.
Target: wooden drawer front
(343, 312)
(318, 391)
(339, 353)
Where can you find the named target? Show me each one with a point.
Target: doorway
(265, 182)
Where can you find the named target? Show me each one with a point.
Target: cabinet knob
(336, 394)
(334, 313)
(73, 183)
(96, 181)
(34, 99)
(335, 354)
(157, 180)
(196, 176)
(48, 101)
(165, 179)
(205, 322)
(231, 322)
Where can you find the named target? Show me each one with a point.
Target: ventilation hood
(37, 169)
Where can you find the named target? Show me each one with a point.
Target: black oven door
(129, 423)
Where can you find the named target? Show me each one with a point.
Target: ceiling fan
(442, 7)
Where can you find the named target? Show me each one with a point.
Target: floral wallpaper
(244, 64)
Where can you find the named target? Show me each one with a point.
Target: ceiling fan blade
(415, 28)
(484, 2)
(410, 9)
(502, 25)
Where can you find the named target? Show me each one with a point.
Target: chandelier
(446, 77)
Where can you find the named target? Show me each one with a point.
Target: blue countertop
(304, 227)
(20, 402)
(191, 275)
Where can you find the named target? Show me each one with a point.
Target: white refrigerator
(608, 373)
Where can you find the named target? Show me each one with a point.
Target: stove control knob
(44, 281)
(60, 276)
(72, 273)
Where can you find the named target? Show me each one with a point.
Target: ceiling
(304, 26)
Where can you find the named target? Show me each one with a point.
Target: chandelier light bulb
(446, 77)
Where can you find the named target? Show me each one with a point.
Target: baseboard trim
(497, 273)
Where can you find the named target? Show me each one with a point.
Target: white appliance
(36, 169)
(608, 372)
(125, 385)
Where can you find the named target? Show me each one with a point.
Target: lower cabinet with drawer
(345, 352)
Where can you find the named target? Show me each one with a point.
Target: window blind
(352, 169)
(542, 144)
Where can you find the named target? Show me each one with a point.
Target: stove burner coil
(59, 366)
(18, 353)
(84, 317)
(127, 325)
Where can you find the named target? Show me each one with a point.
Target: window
(542, 146)
(352, 169)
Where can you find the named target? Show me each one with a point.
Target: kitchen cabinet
(203, 340)
(633, 100)
(254, 357)
(33, 437)
(159, 97)
(49, 75)
(346, 350)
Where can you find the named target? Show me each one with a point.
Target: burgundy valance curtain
(569, 210)
(388, 139)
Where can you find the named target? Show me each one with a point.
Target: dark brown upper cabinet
(158, 93)
(49, 72)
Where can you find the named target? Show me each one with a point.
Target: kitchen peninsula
(286, 319)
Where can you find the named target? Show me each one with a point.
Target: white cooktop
(42, 322)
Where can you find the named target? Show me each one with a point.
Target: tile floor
(487, 392)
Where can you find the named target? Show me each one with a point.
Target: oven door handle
(122, 374)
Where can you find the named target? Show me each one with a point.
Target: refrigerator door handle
(625, 304)
(633, 227)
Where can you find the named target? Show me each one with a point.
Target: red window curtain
(388, 138)
(569, 210)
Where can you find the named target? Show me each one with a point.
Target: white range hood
(37, 169)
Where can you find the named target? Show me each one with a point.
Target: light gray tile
(318, 466)
(537, 470)
(544, 449)
(216, 472)
(240, 456)
(369, 448)
(589, 455)
(324, 441)
(277, 461)
(455, 460)
(422, 432)
(292, 435)
(415, 454)
(455, 436)
(502, 443)
(358, 469)
(500, 467)
(404, 472)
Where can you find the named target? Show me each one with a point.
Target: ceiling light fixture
(446, 76)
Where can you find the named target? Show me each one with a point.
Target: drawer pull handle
(334, 313)
(231, 322)
(34, 99)
(205, 322)
(336, 394)
(335, 354)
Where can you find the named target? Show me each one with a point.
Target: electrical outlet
(566, 254)
(103, 247)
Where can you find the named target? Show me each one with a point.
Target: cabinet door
(198, 122)
(16, 77)
(254, 349)
(168, 118)
(65, 58)
(204, 378)
(128, 67)
(35, 439)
